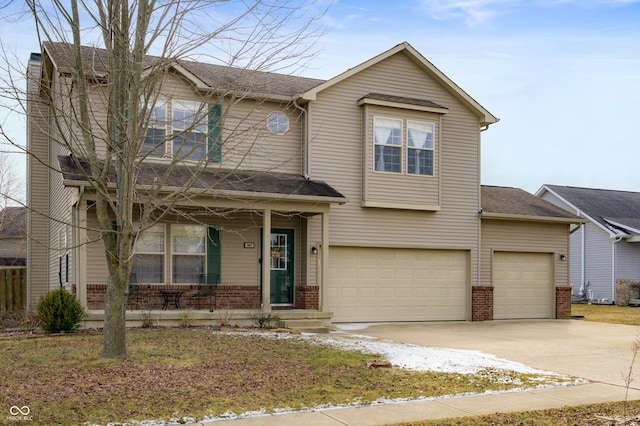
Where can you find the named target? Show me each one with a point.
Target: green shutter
(214, 141)
(214, 256)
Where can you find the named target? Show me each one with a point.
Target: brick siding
(149, 297)
(481, 303)
(307, 297)
(563, 302)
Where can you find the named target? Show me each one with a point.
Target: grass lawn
(608, 313)
(177, 373)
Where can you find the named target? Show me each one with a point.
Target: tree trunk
(114, 344)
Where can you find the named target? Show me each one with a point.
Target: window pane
(420, 135)
(148, 268)
(187, 269)
(151, 240)
(188, 238)
(387, 158)
(189, 146)
(387, 131)
(420, 162)
(153, 144)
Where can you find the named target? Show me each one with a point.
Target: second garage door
(387, 284)
(523, 285)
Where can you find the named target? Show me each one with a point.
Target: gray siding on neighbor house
(532, 237)
(37, 188)
(337, 158)
(598, 261)
(627, 261)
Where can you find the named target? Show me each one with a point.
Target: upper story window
(387, 136)
(393, 146)
(154, 140)
(420, 148)
(278, 123)
(195, 130)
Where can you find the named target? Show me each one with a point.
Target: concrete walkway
(598, 352)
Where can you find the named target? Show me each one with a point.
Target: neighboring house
(366, 188)
(607, 248)
(13, 237)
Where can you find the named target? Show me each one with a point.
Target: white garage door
(523, 285)
(383, 284)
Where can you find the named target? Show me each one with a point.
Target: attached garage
(523, 285)
(395, 284)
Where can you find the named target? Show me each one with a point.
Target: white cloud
(473, 12)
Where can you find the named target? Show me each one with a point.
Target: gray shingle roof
(599, 204)
(217, 77)
(217, 180)
(517, 202)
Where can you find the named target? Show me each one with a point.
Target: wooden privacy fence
(13, 289)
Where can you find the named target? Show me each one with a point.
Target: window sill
(400, 206)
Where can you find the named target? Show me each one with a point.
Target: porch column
(265, 304)
(324, 262)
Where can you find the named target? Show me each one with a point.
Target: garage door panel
(410, 284)
(523, 285)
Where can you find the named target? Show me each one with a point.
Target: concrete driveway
(595, 351)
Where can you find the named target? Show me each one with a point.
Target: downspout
(613, 267)
(304, 140)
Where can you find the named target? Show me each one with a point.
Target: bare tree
(120, 53)
(8, 182)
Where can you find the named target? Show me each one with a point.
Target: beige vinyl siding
(240, 265)
(533, 237)
(37, 189)
(336, 157)
(60, 226)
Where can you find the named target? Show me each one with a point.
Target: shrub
(59, 311)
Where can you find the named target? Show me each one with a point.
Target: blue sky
(563, 76)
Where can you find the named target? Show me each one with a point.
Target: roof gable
(486, 117)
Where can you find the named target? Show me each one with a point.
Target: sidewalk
(444, 408)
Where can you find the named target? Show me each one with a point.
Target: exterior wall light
(563, 257)
(314, 250)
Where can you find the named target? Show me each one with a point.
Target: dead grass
(609, 414)
(608, 313)
(196, 373)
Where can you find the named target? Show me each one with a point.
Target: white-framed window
(279, 250)
(399, 151)
(189, 253)
(189, 122)
(387, 139)
(420, 136)
(154, 144)
(148, 258)
(278, 123)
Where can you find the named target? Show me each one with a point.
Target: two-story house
(357, 197)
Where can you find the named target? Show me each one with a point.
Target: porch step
(318, 325)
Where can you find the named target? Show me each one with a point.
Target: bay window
(393, 146)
